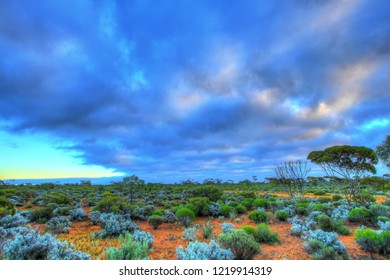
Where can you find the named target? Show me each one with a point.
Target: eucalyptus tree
(132, 184)
(350, 163)
(383, 151)
(292, 175)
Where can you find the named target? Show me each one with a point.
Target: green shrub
(248, 203)
(200, 205)
(243, 245)
(185, 216)
(129, 249)
(240, 209)
(6, 207)
(212, 192)
(158, 212)
(325, 222)
(319, 192)
(260, 202)
(264, 234)
(57, 198)
(112, 204)
(282, 215)
(260, 216)
(156, 221)
(41, 215)
(225, 210)
(337, 197)
(368, 240)
(360, 214)
(249, 230)
(207, 230)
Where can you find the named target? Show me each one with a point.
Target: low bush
(203, 251)
(41, 215)
(190, 233)
(373, 242)
(156, 221)
(169, 216)
(240, 209)
(25, 244)
(265, 235)
(281, 215)
(207, 230)
(227, 227)
(260, 216)
(6, 207)
(226, 210)
(200, 205)
(185, 216)
(60, 224)
(129, 249)
(114, 225)
(142, 236)
(13, 221)
(319, 192)
(78, 214)
(360, 214)
(112, 204)
(212, 192)
(324, 245)
(260, 202)
(248, 203)
(243, 245)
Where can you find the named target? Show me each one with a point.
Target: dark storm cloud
(195, 87)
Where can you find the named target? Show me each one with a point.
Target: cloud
(195, 88)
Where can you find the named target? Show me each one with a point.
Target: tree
(351, 163)
(292, 174)
(383, 151)
(132, 183)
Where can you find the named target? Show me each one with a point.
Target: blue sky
(171, 90)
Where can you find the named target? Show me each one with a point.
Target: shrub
(112, 204)
(158, 212)
(319, 192)
(341, 212)
(325, 240)
(60, 224)
(369, 240)
(115, 224)
(200, 205)
(226, 210)
(249, 230)
(214, 209)
(29, 245)
(240, 209)
(156, 221)
(248, 203)
(264, 234)
(13, 221)
(129, 249)
(41, 215)
(169, 216)
(360, 214)
(78, 214)
(325, 222)
(142, 236)
(6, 207)
(260, 216)
(207, 230)
(190, 233)
(203, 251)
(243, 245)
(227, 227)
(185, 216)
(62, 211)
(55, 198)
(302, 226)
(282, 215)
(259, 202)
(212, 192)
(337, 197)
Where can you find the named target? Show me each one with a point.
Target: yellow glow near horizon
(35, 157)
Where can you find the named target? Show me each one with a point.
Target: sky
(170, 90)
